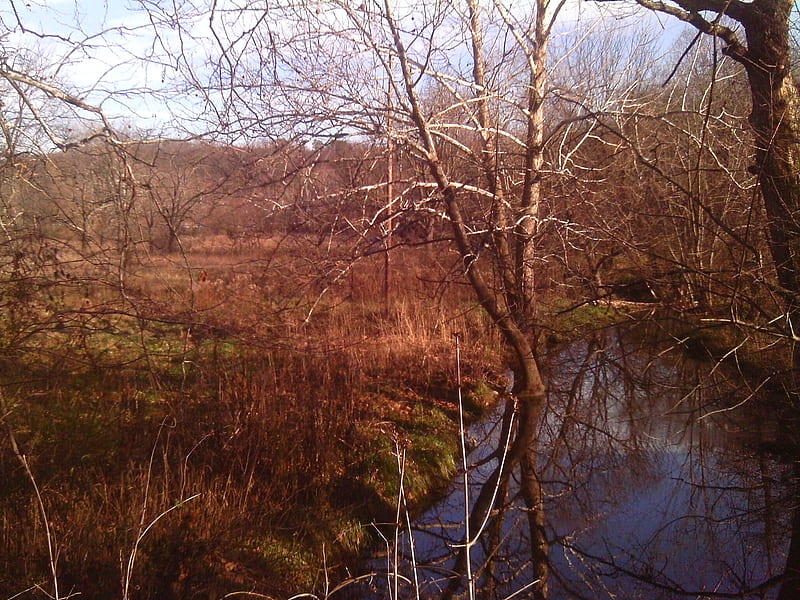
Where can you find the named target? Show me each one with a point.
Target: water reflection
(653, 487)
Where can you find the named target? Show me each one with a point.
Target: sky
(98, 50)
(107, 53)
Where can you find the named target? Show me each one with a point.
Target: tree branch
(688, 11)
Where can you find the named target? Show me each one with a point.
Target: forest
(442, 299)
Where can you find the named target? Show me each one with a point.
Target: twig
(51, 541)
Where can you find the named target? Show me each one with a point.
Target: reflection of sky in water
(642, 482)
(685, 529)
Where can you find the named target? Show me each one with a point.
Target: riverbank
(239, 446)
(244, 445)
(641, 447)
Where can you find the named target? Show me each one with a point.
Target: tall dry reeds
(222, 441)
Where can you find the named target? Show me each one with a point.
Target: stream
(654, 488)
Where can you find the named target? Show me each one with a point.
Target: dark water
(654, 484)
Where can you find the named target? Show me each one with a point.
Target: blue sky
(106, 52)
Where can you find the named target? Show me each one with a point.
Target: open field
(200, 433)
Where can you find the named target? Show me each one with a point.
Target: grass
(565, 321)
(240, 379)
(287, 428)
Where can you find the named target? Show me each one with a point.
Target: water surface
(655, 487)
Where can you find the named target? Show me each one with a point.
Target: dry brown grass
(210, 378)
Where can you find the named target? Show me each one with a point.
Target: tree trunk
(790, 587)
(775, 119)
(503, 309)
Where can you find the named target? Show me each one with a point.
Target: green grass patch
(562, 322)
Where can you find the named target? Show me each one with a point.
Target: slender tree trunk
(533, 493)
(528, 218)
(509, 317)
(790, 587)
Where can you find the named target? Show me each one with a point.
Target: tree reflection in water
(655, 487)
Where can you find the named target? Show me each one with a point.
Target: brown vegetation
(222, 417)
(209, 363)
(216, 402)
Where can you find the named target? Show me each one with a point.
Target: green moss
(479, 399)
(286, 558)
(379, 467)
(349, 534)
(562, 323)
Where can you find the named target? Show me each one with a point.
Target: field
(225, 421)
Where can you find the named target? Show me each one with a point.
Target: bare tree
(484, 131)
(763, 48)
(468, 98)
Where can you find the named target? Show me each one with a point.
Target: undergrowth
(227, 442)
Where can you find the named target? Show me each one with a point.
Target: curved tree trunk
(511, 309)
